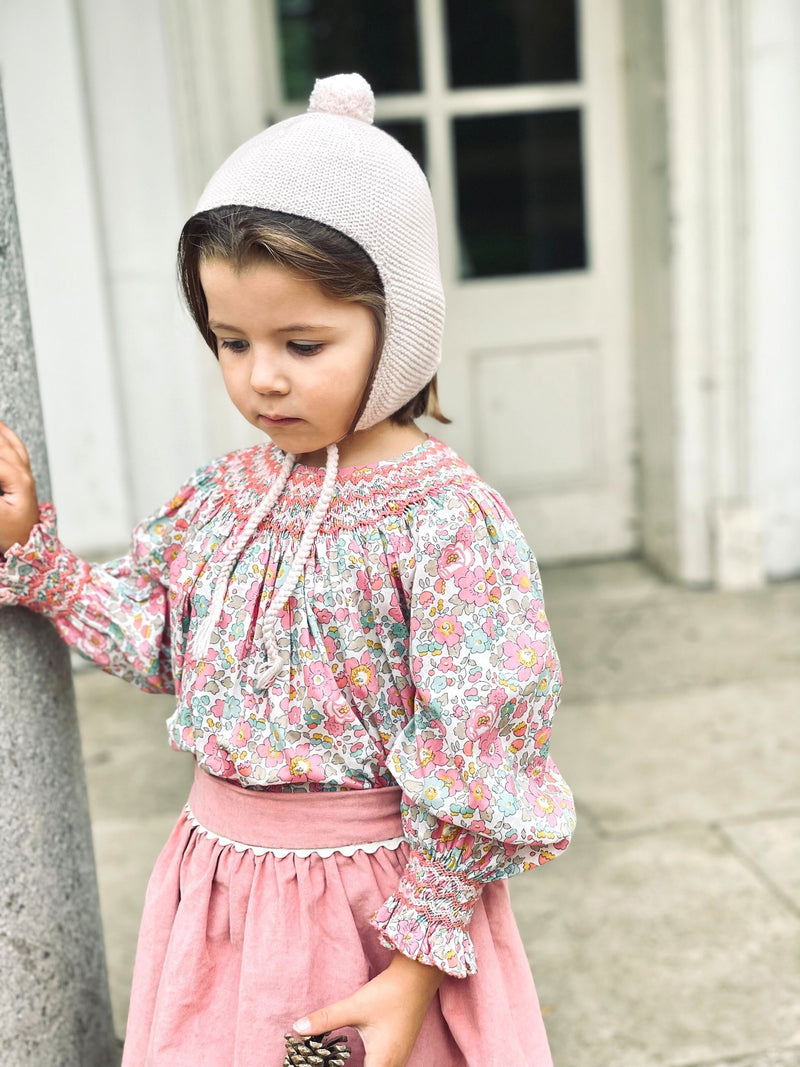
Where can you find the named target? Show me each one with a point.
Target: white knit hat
(333, 166)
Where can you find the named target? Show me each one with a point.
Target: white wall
(142, 207)
(719, 242)
(125, 380)
(651, 280)
(773, 76)
(57, 206)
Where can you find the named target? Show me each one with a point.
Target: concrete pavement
(668, 934)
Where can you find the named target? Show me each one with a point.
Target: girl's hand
(388, 1011)
(19, 508)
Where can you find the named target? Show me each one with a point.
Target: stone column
(54, 999)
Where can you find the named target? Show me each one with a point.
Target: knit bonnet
(333, 166)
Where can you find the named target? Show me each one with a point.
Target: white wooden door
(515, 109)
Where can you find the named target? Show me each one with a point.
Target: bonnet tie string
(269, 670)
(206, 629)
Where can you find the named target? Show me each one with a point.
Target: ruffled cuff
(428, 916)
(41, 574)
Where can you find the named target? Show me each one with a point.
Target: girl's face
(295, 361)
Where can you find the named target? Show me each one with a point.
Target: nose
(267, 372)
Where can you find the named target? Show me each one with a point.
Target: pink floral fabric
(427, 917)
(416, 652)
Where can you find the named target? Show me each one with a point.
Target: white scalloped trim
(262, 850)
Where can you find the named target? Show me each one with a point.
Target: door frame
(683, 69)
(688, 143)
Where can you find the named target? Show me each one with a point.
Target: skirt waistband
(346, 820)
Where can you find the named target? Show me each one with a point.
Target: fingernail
(302, 1026)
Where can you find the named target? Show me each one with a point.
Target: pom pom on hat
(343, 94)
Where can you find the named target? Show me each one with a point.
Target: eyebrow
(302, 326)
(298, 328)
(222, 326)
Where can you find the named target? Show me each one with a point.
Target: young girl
(353, 626)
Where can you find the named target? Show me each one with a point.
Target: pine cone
(321, 1050)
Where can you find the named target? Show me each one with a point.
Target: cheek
(360, 367)
(350, 389)
(234, 380)
(341, 383)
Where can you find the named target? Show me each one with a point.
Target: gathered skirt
(258, 912)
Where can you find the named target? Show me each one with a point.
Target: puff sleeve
(118, 613)
(482, 798)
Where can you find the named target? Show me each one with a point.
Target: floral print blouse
(416, 647)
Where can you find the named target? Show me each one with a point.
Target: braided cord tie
(269, 670)
(206, 629)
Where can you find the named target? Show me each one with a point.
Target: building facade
(620, 242)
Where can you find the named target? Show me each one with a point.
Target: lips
(278, 420)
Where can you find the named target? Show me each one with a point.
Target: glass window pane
(508, 42)
(411, 135)
(520, 193)
(323, 37)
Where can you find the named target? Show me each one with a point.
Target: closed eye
(304, 349)
(233, 346)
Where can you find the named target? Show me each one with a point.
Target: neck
(383, 441)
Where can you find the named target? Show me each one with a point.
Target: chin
(298, 444)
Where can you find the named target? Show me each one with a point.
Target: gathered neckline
(362, 495)
(364, 472)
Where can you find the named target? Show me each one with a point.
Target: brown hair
(338, 265)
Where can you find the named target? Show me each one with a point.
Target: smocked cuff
(41, 574)
(428, 916)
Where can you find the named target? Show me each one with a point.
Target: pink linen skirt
(257, 912)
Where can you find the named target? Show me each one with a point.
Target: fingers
(14, 477)
(8, 435)
(342, 1013)
(19, 508)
